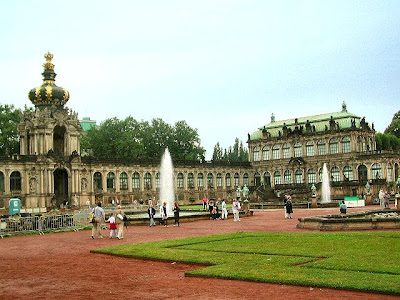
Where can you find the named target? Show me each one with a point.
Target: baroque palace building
(50, 171)
(288, 156)
(285, 156)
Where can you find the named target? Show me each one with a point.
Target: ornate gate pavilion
(284, 156)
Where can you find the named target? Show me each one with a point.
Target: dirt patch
(61, 266)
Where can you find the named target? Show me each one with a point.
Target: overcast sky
(223, 66)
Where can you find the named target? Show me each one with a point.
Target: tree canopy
(130, 138)
(235, 153)
(394, 126)
(9, 120)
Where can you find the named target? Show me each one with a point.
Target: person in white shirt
(224, 210)
(235, 210)
(99, 218)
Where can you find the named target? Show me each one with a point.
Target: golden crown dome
(48, 94)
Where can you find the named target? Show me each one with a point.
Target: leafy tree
(143, 140)
(387, 142)
(394, 126)
(9, 120)
(235, 153)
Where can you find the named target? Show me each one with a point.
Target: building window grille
(180, 181)
(276, 152)
(15, 181)
(228, 180)
(110, 180)
(136, 181)
(286, 151)
(298, 176)
(210, 180)
(348, 173)
(287, 177)
(265, 153)
(321, 147)
(310, 149)
(256, 154)
(236, 179)
(333, 146)
(158, 181)
(277, 178)
(377, 171)
(335, 173)
(389, 176)
(123, 181)
(297, 150)
(219, 180)
(246, 179)
(147, 180)
(190, 180)
(311, 176)
(346, 146)
(200, 180)
(97, 181)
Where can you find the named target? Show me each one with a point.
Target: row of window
(333, 148)
(147, 180)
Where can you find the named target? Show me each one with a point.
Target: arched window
(389, 174)
(228, 180)
(265, 153)
(257, 179)
(297, 150)
(321, 147)
(276, 152)
(286, 150)
(236, 180)
(346, 146)
(376, 171)
(136, 181)
(256, 154)
(190, 180)
(158, 181)
(219, 180)
(210, 180)
(348, 173)
(200, 180)
(362, 173)
(311, 176)
(246, 179)
(123, 181)
(333, 146)
(110, 180)
(267, 179)
(180, 181)
(97, 181)
(1, 182)
(310, 148)
(335, 174)
(277, 177)
(298, 176)
(15, 181)
(147, 181)
(287, 177)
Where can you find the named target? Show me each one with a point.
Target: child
(113, 226)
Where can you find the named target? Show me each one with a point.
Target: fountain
(167, 193)
(325, 188)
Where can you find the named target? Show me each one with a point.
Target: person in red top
(205, 200)
(113, 226)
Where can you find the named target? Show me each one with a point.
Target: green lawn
(361, 261)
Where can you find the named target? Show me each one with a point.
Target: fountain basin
(370, 220)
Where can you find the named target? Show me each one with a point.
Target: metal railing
(12, 225)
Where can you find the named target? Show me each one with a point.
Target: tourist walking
(113, 226)
(289, 207)
(235, 210)
(120, 222)
(164, 215)
(176, 214)
(151, 211)
(211, 208)
(205, 200)
(343, 208)
(224, 210)
(284, 205)
(99, 218)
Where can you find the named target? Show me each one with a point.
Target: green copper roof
(343, 119)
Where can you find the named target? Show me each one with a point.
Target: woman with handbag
(164, 214)
(120, 222)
